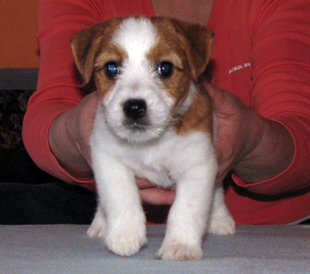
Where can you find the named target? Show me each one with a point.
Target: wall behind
(18, 27)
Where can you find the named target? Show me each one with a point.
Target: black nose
(135, 108)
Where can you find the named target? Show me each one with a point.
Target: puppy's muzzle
(135, 111)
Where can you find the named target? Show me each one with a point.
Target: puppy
(154, 121)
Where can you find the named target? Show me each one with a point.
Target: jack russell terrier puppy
(154, 121)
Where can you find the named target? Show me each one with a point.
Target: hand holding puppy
(245, 138)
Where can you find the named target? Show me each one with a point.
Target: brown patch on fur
(199, 116)
(188, 47)
(88, 42)
(107, 54)
(169, 48)
(197, 42)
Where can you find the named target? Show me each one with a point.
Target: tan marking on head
(169, 48)
(107, 53)
(88, 42)
(188, 47)
(199, 116)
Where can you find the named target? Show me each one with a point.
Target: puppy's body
(153, 121)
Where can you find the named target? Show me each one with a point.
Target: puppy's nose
(135, 108)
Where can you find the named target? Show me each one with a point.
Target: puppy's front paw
(222, 226)
(126, 241)
(179, 252)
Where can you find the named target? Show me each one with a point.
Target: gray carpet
(67, 249)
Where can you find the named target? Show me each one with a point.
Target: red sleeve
(262, 54)
(57, 89)
(281, 83)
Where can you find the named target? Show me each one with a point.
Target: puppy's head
(145, 71)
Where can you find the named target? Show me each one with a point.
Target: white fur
(157, 154)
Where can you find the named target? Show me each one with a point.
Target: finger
(143, 183)
(210, 88)
(157, 196)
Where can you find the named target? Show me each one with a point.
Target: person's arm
(69, 137)
(59, 118)
(275, 135)
(267, 145)
(58, 85)
(55, 109)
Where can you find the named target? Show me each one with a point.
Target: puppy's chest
(150, 164)
(152, 161)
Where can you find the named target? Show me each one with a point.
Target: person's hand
(234, 138)
(69, 136)
(154, 195)
(247, 143)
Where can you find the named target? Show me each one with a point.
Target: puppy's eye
(112, 69)
(165, 69)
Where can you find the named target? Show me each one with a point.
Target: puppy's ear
(197, 41)
(85, 45)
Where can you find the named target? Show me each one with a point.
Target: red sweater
(261, 54)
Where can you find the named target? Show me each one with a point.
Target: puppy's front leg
(119, 198)
(188, 215)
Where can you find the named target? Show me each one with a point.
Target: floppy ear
(85, 44)
(197, 41)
